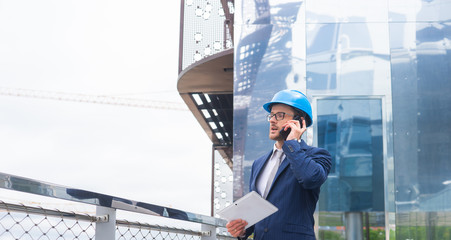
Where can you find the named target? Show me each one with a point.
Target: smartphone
(284, 133)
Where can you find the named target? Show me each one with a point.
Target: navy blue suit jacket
(295, 191)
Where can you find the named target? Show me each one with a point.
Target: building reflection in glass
(379, 75)
(351, 130)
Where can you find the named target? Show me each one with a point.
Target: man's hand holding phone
(293, 129)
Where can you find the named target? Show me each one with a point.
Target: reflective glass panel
(277, 12)
(419, 11)
(421, 113)
(332, 11)
(378, 73)
(347, 59)
(351, 130)
(268, 58)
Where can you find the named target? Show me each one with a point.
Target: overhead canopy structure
(207, 89)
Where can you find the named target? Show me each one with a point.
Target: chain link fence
(18, 221)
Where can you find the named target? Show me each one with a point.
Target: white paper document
(252, 208)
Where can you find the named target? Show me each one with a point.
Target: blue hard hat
(293, 98)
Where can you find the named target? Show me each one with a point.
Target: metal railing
(18, 221)
(26, 222)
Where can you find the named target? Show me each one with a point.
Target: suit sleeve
(249, 232)
(310, 165)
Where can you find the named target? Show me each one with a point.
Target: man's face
(276, 125)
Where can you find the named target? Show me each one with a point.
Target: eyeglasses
(279, 116)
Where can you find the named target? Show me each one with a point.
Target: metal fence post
(106, 223)
(208, 232)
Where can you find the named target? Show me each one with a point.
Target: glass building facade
(378, 75)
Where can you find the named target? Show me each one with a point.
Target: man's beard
(279, 137)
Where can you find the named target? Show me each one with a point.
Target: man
(289, 176)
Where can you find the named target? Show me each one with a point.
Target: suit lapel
(259, 164)
(285, 164)
(282, 168)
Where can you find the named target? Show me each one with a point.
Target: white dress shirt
(264, 175)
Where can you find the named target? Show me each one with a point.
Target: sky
(111, 48)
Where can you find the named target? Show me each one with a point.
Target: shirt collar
(274, 151)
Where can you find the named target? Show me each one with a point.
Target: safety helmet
(293, 98)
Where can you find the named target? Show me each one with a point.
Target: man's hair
(300, 113)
